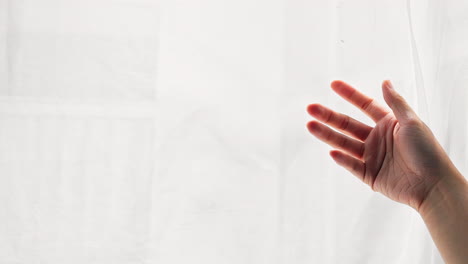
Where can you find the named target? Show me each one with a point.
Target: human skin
(400, 158)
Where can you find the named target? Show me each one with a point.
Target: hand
(399, 157)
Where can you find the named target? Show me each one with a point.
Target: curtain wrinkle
(418, 75)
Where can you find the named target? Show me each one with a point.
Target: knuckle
(367, 104)
(328, 136)
(343, 142)
(328, 117)
(344, 123)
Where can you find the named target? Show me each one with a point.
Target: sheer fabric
(150, 131)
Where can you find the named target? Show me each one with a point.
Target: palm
(378, 174)
(385, 173)
(390, 157)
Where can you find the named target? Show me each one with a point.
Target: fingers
(335, 139)
(401, 109)
(365, 103)
(355, 166)
(340, 121)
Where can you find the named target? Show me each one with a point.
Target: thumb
(401, 109)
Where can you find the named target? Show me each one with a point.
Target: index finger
(365, 103)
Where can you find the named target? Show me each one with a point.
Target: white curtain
(146, 131)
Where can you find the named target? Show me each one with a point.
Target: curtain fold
(151, 131)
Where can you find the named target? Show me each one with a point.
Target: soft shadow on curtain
(146, 131)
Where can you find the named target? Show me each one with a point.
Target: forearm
(445, 212)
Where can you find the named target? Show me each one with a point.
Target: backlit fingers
(365, 103)
(340, 121)
(355, 166)
(335, 139)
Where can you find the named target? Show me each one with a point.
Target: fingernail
(389, 84)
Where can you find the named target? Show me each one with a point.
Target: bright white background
(145, 131)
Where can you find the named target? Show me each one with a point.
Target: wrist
(445, 213)
(446, 194)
